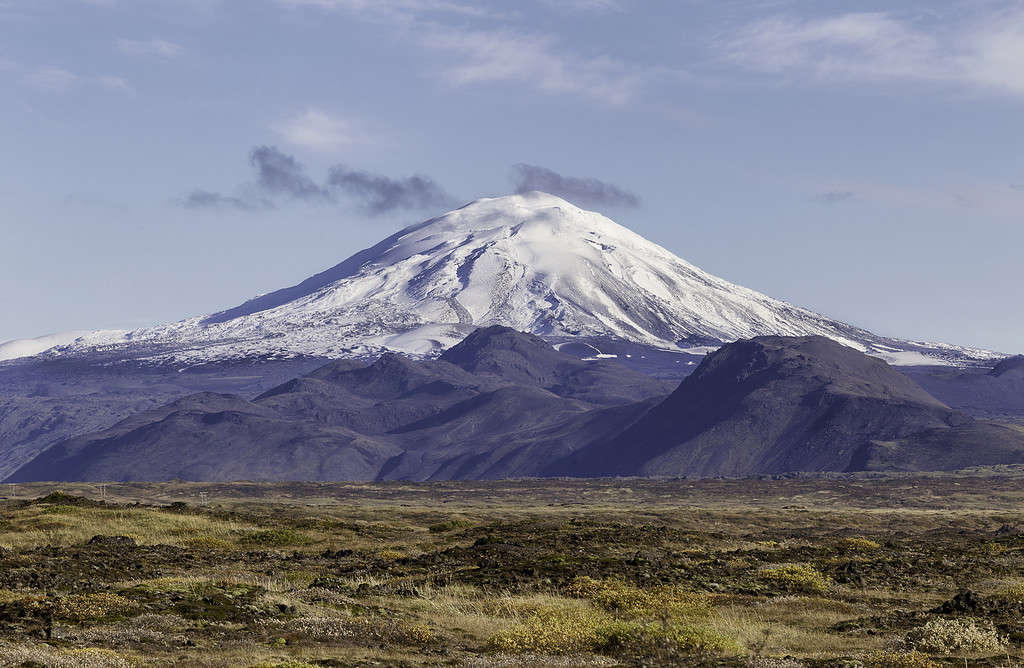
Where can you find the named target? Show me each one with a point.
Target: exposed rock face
(501, 403)
(1011, 367)
(506, 404)
(778, 404)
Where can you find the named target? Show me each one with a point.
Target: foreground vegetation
(854, 571)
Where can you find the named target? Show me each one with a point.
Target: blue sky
(166, 158)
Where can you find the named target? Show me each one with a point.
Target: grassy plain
(871, 571)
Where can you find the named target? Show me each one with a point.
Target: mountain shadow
(504, 403)
(778, 404)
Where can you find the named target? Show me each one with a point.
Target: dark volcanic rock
(506, 404)
(524, 359)
(1011, 367)
(46, 401)
(212, 437)
(392, 392)
(112, 541)
(996, 393)
(503, 403)
(778, 404)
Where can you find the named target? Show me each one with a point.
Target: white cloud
(391, 6)
(993, 52)
(865, 46)
(316, 129)
(58, 79)
(586, 5)
(488, 55)
(113, 83)
(493, 56)
(52, 78)
(150, 47)
(991, 200)
(983, 51)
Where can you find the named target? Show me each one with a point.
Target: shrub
(450, 525)
(514, 607)
(797, 577)
(891, 659)
(62, 499)
(58, 509)
(273, 537)
(334, 629)
(622, 598)
(90, 607)
(861, 544)
(944, 636)
(300, 577)
(573, 630)
(552, 632)
(418, 634)
(773, 662)
(206, 543)
(390, 555)
(652, 639)
(44, 655)
(1014, 592)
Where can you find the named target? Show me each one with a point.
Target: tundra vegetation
(873, 571)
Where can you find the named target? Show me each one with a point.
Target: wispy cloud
(318, 130)
(586, 5)
(381, 194)
(408, 7)
(281, 174)
(150, 47)
(113, 83)
(985, 50)
(204, 199)
(280, 177)
(989, 199)
(486, 56)
(586, 191)
(52, 78)
(59, 79)
(835, 196)
(859, 45)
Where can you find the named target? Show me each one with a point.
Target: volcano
(532, 262)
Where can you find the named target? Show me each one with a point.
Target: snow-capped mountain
(534, 262)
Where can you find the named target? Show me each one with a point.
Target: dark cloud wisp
(279, 175)
(589, 191)
(381, 194)
(836, 196)
(204, 199)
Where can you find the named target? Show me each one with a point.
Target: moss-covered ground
(844, 571)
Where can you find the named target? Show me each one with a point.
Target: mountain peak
(1011, 367)
(534, 199)
(770, 405)
(504, 351)
(817, 361)
(533, 262)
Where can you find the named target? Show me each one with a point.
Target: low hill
(777, 404)
(504, 403)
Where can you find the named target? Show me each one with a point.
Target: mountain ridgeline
(503, 403)
(531, 261)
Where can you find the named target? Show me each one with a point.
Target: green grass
(600, 572)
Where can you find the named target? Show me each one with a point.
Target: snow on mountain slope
(16, 348)
(534, 262)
